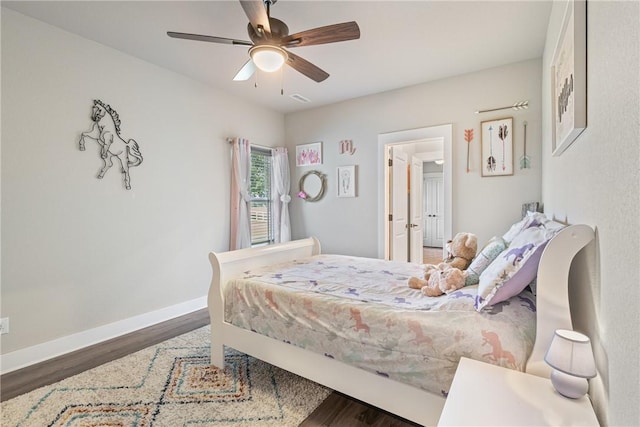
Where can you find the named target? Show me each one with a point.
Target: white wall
(596, 182)
(485, 206)
(79, 253)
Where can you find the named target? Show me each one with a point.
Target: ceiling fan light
(268, 58)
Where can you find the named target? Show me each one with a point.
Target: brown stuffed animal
(444, 280)
(462, 249)
(418, 283)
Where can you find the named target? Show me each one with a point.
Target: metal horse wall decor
(106, 132)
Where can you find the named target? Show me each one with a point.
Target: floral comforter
(361, 311)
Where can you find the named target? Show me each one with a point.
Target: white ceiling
(402, 43)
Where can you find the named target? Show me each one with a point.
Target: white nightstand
(487, 395)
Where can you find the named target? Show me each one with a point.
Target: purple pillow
(512, 271)
(520, 278)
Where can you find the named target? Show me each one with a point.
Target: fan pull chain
(282, 81)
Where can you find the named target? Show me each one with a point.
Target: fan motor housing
(278, 30)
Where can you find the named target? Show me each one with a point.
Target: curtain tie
(285, 198)
(245, 196)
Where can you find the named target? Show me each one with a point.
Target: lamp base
(568, 385)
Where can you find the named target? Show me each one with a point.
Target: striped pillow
(489, 252)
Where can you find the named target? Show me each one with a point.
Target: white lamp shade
(268, 58)
(570, 352)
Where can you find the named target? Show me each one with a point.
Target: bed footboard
(227, 265)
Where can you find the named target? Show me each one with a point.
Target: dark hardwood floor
(21, 381)
(337, 410)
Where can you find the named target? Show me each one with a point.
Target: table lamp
(571, 358)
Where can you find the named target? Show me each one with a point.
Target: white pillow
(531, 218)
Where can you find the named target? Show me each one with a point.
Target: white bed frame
(403, 400)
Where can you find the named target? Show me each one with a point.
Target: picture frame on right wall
(569, 78)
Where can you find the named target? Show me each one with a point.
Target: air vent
(300, 98)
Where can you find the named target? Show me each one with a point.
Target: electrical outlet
(4, 325)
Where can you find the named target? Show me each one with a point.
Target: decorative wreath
(306, 196)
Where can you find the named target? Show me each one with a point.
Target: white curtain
(280, 188)
(240, 199)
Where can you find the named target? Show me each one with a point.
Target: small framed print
(497, 147)
(309, 154)
(346, 181)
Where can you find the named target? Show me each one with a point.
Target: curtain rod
(230, 141)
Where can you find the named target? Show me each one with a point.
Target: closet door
(433, 210)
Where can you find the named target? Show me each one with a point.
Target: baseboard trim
(41, 352)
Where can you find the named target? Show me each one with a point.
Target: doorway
(438, 138)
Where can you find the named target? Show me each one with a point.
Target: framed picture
(309, 154)
(497, 147)
(569, 78)
(346, 181)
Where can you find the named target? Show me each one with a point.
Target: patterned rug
(170, 384)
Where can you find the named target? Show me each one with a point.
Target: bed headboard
(552, 299)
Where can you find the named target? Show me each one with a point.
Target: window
(260, 192)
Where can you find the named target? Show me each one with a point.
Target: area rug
(169, 385)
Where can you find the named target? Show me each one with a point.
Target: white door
(399, 209)
(416, 224)
(433, 210)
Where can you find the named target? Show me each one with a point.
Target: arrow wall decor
(522, 105)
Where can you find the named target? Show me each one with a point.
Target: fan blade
(321, 35)
(258, 17)
(213, 39)
(245, 72)
(305, 67)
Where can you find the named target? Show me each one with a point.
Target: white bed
(407, 401)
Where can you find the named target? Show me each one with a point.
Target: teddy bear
(461, 250)
(449, 275)
(444, 280)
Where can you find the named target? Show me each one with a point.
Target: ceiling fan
(269, 38)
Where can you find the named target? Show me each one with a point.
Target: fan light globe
(268, 58)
